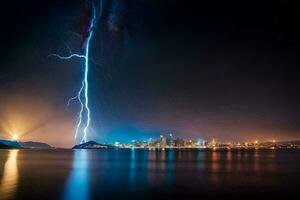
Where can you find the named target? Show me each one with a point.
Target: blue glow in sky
(126, 135)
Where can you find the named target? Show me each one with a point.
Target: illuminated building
(213, 143)
(179, 142)
(201, 143)
(170, 141)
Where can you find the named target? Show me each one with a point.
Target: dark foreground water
(142, 174)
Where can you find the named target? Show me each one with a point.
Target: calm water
(141, 174)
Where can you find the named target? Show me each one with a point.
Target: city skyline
(215, 73)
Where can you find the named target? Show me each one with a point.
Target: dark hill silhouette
(93, 145)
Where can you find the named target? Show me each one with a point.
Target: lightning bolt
(82, 96)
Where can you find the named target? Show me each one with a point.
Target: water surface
(143, 174)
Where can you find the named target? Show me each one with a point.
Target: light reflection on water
(9, 181)
(132, 172)
(170, 168)
(77, 186)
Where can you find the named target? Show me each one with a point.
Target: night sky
(199, 69)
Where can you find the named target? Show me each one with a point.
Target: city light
(170, 142)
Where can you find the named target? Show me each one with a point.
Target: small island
(93, 145)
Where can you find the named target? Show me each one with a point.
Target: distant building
(170, 140)
(191, 144)
(178, 142)
(201, 143)
(212, 143)
(162, 142)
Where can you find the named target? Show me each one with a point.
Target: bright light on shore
(14, 137)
